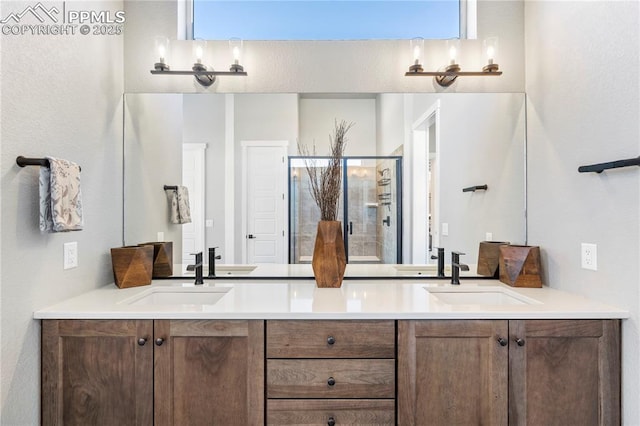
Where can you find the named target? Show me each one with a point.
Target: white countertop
(300, 299)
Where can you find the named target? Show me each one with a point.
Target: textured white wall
(583, 116)
(318, 117)
(61, 96)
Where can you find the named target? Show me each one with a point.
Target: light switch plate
(488, 236)
(208, 223)
(70, 255)
(160, 236)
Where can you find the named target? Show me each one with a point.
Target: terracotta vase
(329, 256)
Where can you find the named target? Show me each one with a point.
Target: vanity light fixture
(204, 76)
(452, 71)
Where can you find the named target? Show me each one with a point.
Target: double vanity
(374, 352)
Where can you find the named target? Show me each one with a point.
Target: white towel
(179, 211)
(60, 197)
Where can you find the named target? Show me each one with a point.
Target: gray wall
(61, 96)
(153, 132)
(582, 117)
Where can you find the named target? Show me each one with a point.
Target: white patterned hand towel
(180, 211)
(60, 196)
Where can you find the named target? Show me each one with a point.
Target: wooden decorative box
(162, 258)
(489, 258)
(132, 265)
(520, 266)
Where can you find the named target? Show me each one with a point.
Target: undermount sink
(480, 296)
(234, 269)
(416, 269)
(179, 296)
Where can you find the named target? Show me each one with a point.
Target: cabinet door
(97, 372)
(209, 372)
(452, 372)
(564, 372)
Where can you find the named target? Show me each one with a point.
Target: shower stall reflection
(370, 209)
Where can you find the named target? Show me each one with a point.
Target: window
(326, 20)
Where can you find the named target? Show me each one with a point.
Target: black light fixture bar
(452, 73)
(200, 73)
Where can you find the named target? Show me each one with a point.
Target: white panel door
(193, 165)
(265, 176)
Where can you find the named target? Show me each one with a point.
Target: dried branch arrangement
(325, 182)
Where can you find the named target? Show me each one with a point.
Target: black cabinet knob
(159, 341)
(502, 341)
(331, 421)
(142, 341)
(331, 340)
(331, 381)
(520, 341)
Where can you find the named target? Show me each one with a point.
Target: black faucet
(440, 262)
(456, 267)
(212, 261)
(198, 268)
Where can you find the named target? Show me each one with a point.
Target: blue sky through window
(326, 20)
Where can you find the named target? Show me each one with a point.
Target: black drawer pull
(331, 421)
(142, 341)
(520, 341)
(159, 341)
(331, 340)
(331, 381)
(502, 341)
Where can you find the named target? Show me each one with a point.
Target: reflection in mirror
(236, 154)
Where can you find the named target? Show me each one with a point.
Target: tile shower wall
(387, 235)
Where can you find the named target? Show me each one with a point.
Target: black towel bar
(475, 188)
(170, 188)
(599, 168)
(24, 161)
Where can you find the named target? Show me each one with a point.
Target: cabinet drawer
(331, 378)
(321, 412)
(331, 339)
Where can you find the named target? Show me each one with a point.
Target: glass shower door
(373, 210)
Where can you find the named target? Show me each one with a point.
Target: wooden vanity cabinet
(517, 372)
(330, 372)
(162, 372)
(97, 372)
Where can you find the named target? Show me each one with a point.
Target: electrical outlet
(589, 256)
(445, 229)
(70, 255)
(160, 236)
(208, 223)
(488, 236)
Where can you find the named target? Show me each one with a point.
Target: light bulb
(491, 52)
(417, 48)
(416, 54)
(199, 48)
(453, 50)
(162, 48)
(236, 49)
(490, 47)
